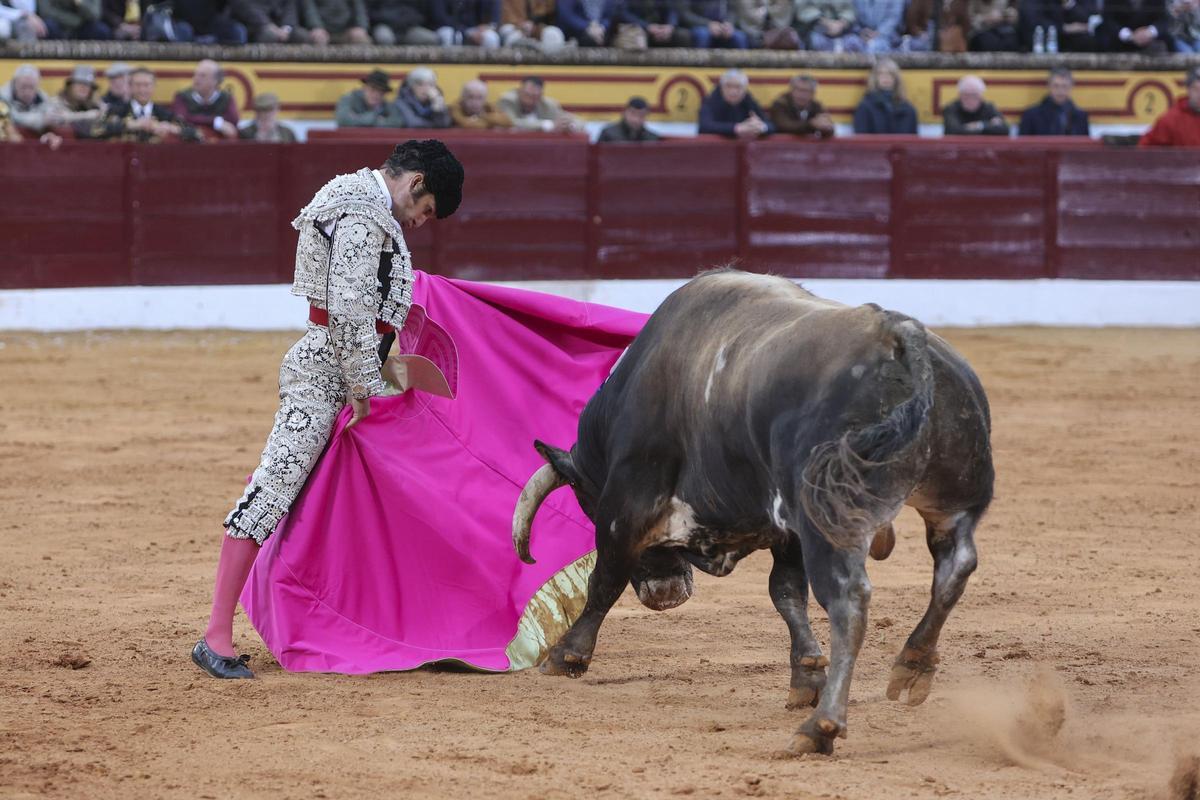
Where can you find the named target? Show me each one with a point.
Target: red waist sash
(319, 316)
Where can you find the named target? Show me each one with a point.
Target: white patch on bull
(613, 528)
(718, 365)
(776, 516)
(675, 526)
(857, 370)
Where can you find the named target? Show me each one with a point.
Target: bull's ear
(561, 460)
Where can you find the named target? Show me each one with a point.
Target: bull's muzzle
(539, 486)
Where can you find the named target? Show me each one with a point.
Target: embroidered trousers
(311, 393)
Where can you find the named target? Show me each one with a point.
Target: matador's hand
(395, 373)
(362, 409)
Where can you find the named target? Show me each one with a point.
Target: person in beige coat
(530, 110)
(767, 23)
(76, 104)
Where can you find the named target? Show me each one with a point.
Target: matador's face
(411, 205)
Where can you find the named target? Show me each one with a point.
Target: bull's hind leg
(951, 540)
(838, 577)
(789, 592)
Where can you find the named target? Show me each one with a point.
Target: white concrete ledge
(935, 302)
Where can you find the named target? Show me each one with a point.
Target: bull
(750, 414)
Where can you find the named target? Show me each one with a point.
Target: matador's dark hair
(443, 172)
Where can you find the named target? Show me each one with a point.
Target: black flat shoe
(220, 666)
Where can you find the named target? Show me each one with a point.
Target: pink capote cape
(399, 550)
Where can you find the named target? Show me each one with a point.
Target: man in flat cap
(118, 84)
(632, 125)
(266, 126)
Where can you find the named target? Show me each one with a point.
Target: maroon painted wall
(537, 208)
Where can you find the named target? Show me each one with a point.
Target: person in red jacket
(1180, 126)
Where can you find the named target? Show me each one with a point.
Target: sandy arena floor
(119, 454)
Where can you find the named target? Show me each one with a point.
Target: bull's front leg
(839, 581)
(615, 561)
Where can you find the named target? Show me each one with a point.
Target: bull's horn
(540, 484)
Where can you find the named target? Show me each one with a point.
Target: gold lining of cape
(550, 612)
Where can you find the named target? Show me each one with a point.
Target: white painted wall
(936, 302)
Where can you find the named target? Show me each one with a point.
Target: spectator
(1180, 125)
(591, 23)
(632, 125)
(123, 17)
(73, 19)
(27, 103)
(401, 22)
(1136, 26)
(924, 19)
(530, 23)
(118, 84)
(660, 20)
(271, 21)
(1185, 25)
(828, 25)
(368, 107)
(8, 130)
(266, 126)
(141, 119)
(420, 102)
(710, 24)
(473, 22)
(1056, 115)
(797, 111)
(207, 107)
(1073, 21)
(530, 110)
(76, 105)
(19, 20)
(993, 26)
(879, 24)
(768, 23)
(337, 21)
(970, 114)
(884, 108)
(206, 22)
(474, 111)
(732, 111)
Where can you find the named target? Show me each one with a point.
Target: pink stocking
(237, 556)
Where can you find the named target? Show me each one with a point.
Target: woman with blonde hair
(884, 108)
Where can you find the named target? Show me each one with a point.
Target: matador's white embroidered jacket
(360, 273)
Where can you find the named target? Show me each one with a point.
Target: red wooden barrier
(666, 210)
(556, 207)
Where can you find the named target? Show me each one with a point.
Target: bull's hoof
(913, 673)
(660, 594)
(562, 661)
(808, 681)
(816, 736)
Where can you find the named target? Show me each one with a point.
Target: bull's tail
(842, 489)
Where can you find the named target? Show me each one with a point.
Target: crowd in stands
(204, 112)
(855, 26)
